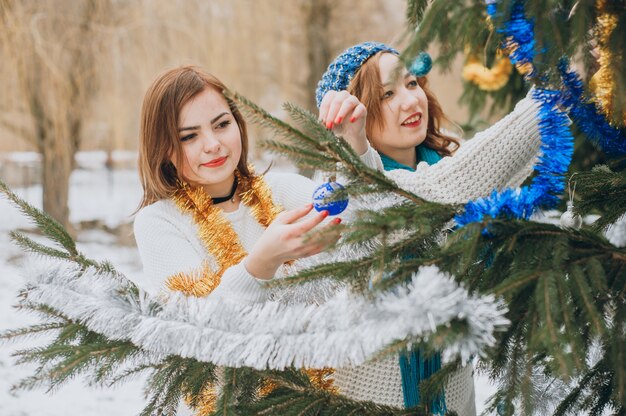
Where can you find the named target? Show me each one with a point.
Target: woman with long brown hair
(370, 99)
(207, 224)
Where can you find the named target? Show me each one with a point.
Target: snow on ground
(95, 195)
(110, 197)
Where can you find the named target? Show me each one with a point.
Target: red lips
(215, 162)
(414, 123)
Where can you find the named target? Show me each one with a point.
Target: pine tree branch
(297, 396)
(173, 379)
(54, 231)
(48, 225)
(29, 245)
(348, 161)
(229, 391)
(584, 295)
(301, 156)
(131, 372)
(603, 189)
(44, 311)
(326, 144)
(32, 330)
(61, 361)
(559, 285)
(415, 12)
(572, 332)
(419, 228)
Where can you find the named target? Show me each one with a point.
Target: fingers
(329, 97)
(308, 245)
(348, 106)
(287, 217)
(308, 224)
(359, 111)
(332, 117)
(339, 106)
(324, 237)
(291, 232)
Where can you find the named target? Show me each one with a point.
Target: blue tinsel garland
(587, 117)
(557, 141)
(557, 148)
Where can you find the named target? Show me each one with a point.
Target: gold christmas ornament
(488, 79)
(603, 82)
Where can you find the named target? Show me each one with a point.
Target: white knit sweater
(168, 240)
(499, 157)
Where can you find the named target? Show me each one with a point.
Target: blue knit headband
(340, 72)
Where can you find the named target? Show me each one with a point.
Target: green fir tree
(565, 288)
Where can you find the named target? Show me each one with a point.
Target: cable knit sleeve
(291, 190)
(369, 158)
(238, 283)
(168, 247)
(499, 157)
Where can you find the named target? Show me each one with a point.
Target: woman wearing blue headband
(391, 118)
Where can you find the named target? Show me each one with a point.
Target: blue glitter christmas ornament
(422, 64)
(324, 198)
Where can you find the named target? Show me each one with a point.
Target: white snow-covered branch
(616, 232)
(346, 330)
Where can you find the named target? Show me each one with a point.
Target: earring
(569, 219)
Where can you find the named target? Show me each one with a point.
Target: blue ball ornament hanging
(326, 198)
(422, 64)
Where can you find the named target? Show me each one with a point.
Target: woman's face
(211, 143)
(404, 109)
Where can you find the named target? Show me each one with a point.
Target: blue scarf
(422, 153)
(414, 367)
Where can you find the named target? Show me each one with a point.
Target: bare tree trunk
(56, 169)
(53, 56)
(317, 45)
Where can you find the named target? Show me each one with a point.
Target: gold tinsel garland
(488, 79)
(198, 283)
(222, 242)
(207, 401)
(321, 379)
(603, 82)
(496, 77)
(216, 232)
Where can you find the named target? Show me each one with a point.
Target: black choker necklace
(230, 196)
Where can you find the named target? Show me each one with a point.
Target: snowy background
(101, 205)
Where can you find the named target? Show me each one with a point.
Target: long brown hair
(367, 87)
(159, 137)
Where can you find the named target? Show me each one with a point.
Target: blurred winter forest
(73, 72)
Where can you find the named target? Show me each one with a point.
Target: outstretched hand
(345, 115)
(288, 239)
